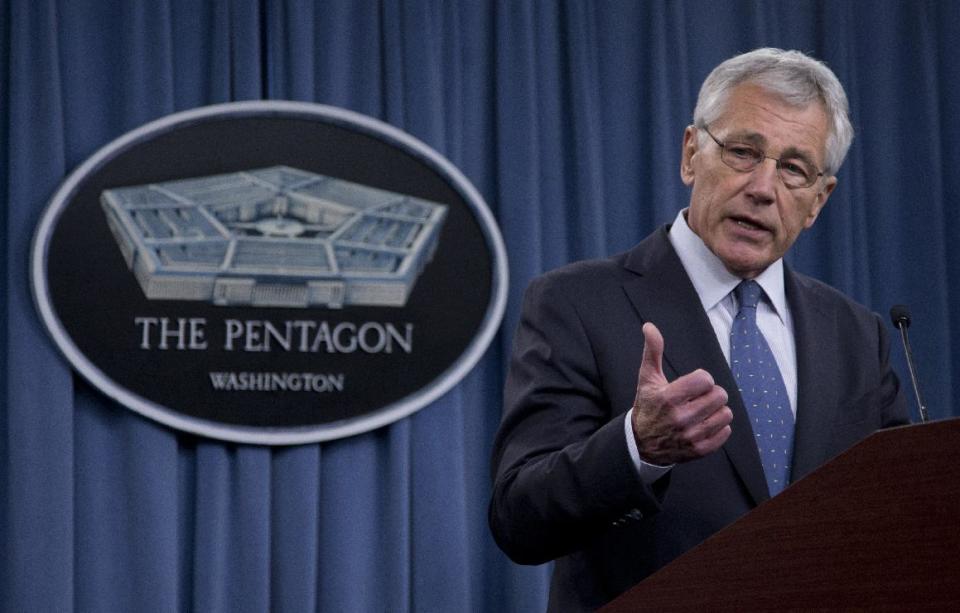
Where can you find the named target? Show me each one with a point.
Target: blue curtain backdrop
(567, 116)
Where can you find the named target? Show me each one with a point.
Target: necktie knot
(748, 294)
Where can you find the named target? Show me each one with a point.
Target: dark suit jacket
(565, 487)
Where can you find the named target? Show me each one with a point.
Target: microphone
(900, 315)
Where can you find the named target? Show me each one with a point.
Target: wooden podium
(877, 527)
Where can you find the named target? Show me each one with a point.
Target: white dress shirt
(714, 285)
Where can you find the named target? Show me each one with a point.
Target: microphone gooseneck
(900, 316)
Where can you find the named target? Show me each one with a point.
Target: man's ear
(686, 155)
(821, 199)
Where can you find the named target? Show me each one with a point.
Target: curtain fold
(566, 115)
(126, 537)
(38, 424)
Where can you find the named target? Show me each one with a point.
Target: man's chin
(745, 266)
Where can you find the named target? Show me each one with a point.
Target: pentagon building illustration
(274, 236)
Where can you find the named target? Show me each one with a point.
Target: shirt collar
(711, 279)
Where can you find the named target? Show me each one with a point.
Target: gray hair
(796, 78)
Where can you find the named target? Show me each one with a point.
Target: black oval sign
(269, 272)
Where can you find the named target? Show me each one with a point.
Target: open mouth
(749, 224)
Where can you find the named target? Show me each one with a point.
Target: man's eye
(746, 153)
(795, 169)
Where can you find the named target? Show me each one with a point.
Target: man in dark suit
(631, 432)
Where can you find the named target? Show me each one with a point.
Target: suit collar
(662, 293)
(815, 330)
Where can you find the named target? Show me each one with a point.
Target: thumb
(651, 367)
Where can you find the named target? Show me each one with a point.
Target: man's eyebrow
(758, 140)
(793, 152)
(751, 138)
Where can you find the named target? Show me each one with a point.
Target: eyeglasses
(795, 172)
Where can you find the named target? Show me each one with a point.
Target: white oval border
(269, 435)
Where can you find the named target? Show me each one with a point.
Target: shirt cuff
(647, 472)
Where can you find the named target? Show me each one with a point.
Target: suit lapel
(814, 329)
(662, 293)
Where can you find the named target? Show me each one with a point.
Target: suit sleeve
(562, 470)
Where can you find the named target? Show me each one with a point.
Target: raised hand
(680, 420)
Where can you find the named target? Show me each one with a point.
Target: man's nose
(763, 182)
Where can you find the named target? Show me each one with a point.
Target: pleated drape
(568, 117)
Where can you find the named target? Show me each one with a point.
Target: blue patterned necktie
(762, 389)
